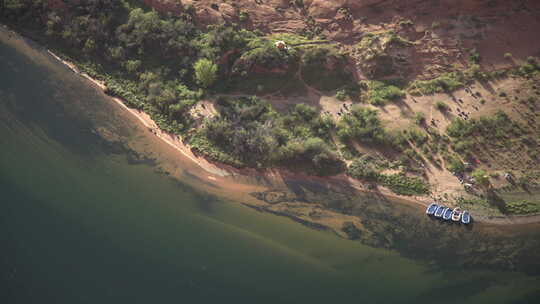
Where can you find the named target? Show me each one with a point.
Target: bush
(397, 183)
(362, 169)
(244, 16)
(379, 93)
(460, 128)
(454, 164)
(441, 106)
(205, 72)
(481, 177)
(324, 68)
(403, 185)
(341, 95)
(474, 56)
(445, 83)
(416, 136)
(311, 154)
(522, 207)
(361, 124)
(419, 118)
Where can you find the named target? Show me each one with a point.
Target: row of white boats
(447, 214)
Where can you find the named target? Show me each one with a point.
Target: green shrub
(463, 145)
(361, 124)
(397, 183)
(417, 136)
(481, 177)
(403, 185)
(445, 83)
(441, 106)
(454, 164)
(474, 56)
(379, 92)
(522, 207)
(351, 91)
(244, 16)
(205, 72)
(362, 169)
(341, 95)
(419, 118)
(460, 128)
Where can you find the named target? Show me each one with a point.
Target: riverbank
(220, 170)
(227, 177)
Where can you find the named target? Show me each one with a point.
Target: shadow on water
(43, 100)
(405, 228)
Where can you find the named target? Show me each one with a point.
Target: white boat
(466, 217)
(447, 214)
(439, 211)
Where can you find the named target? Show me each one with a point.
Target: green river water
(82, 222)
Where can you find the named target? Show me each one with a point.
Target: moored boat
(466, 217)
(439, 211)
(447, 214)
(431, 209)
(456, 214)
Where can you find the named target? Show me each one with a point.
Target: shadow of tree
(494, 199)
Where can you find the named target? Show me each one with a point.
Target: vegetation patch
(249, 132)
(404, 185)
(398, 183)
(441, 106)
(445, 83)
(493, 128)
(522, 207)
(377, 56)
(363, 125)
(324, 68)
(380, 92)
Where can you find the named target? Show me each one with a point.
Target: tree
(205, 72)
(132, 65)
